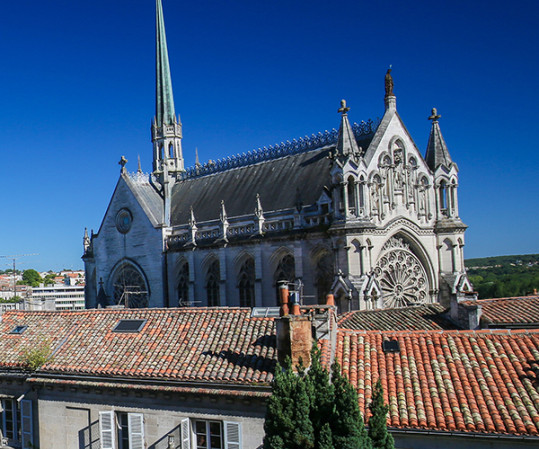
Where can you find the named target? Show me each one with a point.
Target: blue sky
(77, 93)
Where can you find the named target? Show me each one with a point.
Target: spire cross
(435, 116)
(343, 109)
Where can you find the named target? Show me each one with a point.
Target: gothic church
(357, 212)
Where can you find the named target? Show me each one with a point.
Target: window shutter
(135, 422)
(26, 424)
(106, 429)
(186, 434)
(232, 435)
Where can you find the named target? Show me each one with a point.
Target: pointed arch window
(183, 285)
(285, 271)
(351, 192)
(246, 283)
(212, 285)
(129, 287)
(324, 276)
(443, 197)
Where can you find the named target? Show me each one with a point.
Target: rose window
(401, 276)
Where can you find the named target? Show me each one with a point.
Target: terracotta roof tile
(506, 311)
(423, 317)
(482, 381)
(200, 344)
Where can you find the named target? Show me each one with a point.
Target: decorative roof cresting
(301, 145)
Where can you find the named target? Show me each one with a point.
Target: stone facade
(357, 212)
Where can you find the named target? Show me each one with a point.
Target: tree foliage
(31, 277)
(378, 433)
(324, 413)
(287, 424)
(504, 276)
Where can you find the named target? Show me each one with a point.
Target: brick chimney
(294, 331)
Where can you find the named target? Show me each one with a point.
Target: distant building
(65, 297)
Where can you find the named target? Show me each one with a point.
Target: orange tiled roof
(423, 317)
(482, 381)
(506, 311)
(199, 344)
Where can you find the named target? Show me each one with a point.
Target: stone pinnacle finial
(435, 116)
(192, 220)
(259, 212)
(224, 216)
(139, 170)
(197, 161)
(343, 109)
(122, 162)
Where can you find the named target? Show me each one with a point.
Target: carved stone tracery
(401, 275)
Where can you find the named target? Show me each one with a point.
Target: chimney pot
(283, 292)
(330, 300)
(294, 303)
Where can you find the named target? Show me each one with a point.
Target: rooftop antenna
(14, 258)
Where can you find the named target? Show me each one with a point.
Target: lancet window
(324, 276)
(183, 285)
(246, 283)
(212, 285)
(285, 271)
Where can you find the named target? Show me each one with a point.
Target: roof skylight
(132, 326)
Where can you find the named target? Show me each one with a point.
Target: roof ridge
(441, 331)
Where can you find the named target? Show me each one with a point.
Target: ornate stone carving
(401, 275)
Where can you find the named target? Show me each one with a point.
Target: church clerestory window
(286, 271)
(324, 276)
(246, 283)
(183, 285)
(212, 285)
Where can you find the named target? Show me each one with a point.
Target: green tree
(287, 424)
(49, 279)
(381, 438)
(306, 410)
(347, 423)
(321, 395)
(31, 277)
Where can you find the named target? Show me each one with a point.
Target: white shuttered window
(186, 434)
(232, 435)
(136, 430)
(106, 429)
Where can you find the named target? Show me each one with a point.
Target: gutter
(497, 436)
(215, 388)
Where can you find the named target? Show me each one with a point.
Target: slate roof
(207, 345)
(304, 174)
(510, 311)
(423, 317)
(147, 195)
(467, 381)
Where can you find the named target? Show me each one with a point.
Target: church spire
(437, 153)
(166, 128)
(164, 104)
(346, 141)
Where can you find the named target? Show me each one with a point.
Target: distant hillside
(503, 276)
